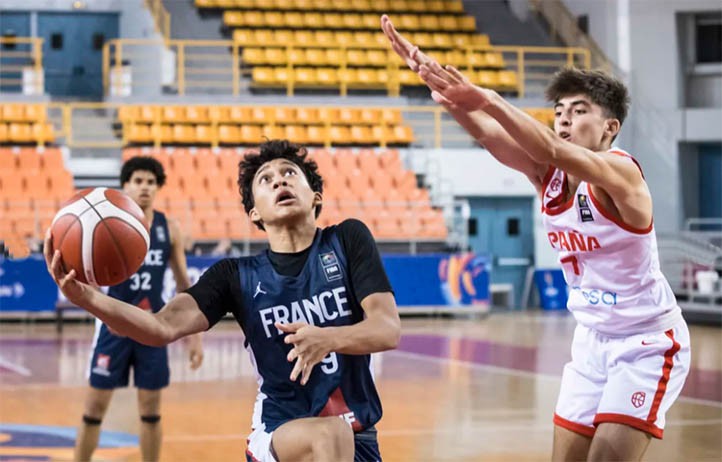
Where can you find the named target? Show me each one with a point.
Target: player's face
(281, 194)
(141, 187)
(579, 121)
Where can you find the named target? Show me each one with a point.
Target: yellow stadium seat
(398, 5)
(327, 76)
(43, 132)
(508, 80)
(369, 116)
(364, 5)
(253, 55)
(264, 75)
(327, 114)
(205, 3)
(467, 23)
(370, 77)
(35, 112)
(161, 133)
(454, 6)
(361, 135)
(127, 113)
(275, 56)
(320, 5)
(333, 21)
(250, 134)
(283, 37)
(20, 132)
(197, 114)
(173, 114)
(351, 21)
(3, 133)
(348, 116)
(261, 115)
(456, 58)
(368, 21)
(263, 37)
(274, 19)
(339, 134)
(218, 113)
(205, 134)
(282, 75)
(487, 79)
(417, 6)
(293, 19)
(460, 40)
(429, 22)
(356, 57)
(391, 116)
(377, 57)
(296, 133)
(304, 37)
(324, 38)
(243, 37)
(233, 18)
(260, 4)
(380, 39)
(184, 134)
(307, 115)
(441, 40)
(12, 112)
(436, 6)
(380, 5)
(348, 76)
(240, 114)
(409, 78)
(244, 4)
(333, 56)
(476, 59)
(409, 22)
(313, 20)
(138, 133)
(403, 134)
(479, 39)
(305, 76)
(448, 22)
(317, 134)
(495, 60)
(422, 39)
(296, 56)
(316, 56)
(274, 132)
(228, 134)
(253, 19)
(148, 114)
(343, 38)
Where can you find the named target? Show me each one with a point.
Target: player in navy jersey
(113, 354)
(312, 307)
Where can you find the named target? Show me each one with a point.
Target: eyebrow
(573, 103)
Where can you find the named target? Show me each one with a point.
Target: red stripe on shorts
(662, 385)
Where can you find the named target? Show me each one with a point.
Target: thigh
(295, 440)
(96, 402)
(150, 367)
(148, 402)
(582, 386)
(110, 360)
(569, 445)
(646, 378)
(614, 441)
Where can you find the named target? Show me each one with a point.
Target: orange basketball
(102, 234)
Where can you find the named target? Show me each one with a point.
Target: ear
(317, 199)
(254, 216)
(612, 127)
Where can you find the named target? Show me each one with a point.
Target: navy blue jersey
(145, 288)
(320, 295)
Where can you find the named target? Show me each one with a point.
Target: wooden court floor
(455, 390)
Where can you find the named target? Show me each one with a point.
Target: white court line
(17, 368)
(525, 374)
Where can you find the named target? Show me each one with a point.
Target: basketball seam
(62, 238)
(110, 233)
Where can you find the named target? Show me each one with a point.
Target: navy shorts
(113, 356)
(367, 446)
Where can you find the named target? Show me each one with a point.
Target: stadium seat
(20, 133)
(250, 134)
(307, 115)
(228, 134)
(173, 114)
(197, 114)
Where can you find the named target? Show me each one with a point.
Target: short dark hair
(146, 163)
(603, 89)
(272, 150)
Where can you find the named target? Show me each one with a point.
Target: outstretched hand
(311, 344)
(194, 347)
(449, 87)
(75, 291)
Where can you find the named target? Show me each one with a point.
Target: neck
(148, 212)
(291, 238)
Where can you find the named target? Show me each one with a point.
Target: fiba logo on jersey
(160, 233)
(638, 399)
(330, 266)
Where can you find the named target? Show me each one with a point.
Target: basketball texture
(102, 234)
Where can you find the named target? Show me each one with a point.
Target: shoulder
(352, 226)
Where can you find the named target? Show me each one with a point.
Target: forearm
(128, 320)
(475, 123)
(378, 333)
(537, 140)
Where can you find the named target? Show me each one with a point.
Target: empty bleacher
(22, 123)
(371, 185)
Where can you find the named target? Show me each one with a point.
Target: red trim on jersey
(619, 152)
(666, 370)
(545, 182)
(634, 422)
(249, 453)
(573, 426)
(555, 207)
(616, 220)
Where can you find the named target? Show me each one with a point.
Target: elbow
(394, 334)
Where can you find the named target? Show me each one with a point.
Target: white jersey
(615, 284)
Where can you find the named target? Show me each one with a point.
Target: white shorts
(259, 446)
(629, 380)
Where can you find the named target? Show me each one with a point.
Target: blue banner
(553, 292)
(418, 280)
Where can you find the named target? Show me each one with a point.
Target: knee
(334, 436)
(95, 410)
(150, 419)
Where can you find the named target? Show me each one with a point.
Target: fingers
(48, 248)
(297, 368)
(306, 373)
(291, 327)
(293, 354)
(196, 360)
(439, 98)
(434, 82)
(456, 74)
(70, 277)
(56, 270)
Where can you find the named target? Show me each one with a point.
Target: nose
(564, 119)
(279, 181)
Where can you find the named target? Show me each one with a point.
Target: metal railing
(160, 16)
(17, 56)
(216, 66)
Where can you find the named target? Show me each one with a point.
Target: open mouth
(565, 135)
(285, 197)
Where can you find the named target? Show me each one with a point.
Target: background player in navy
(316, 297)
(113, 354)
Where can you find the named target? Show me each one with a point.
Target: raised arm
(482, 127)
(180, 317)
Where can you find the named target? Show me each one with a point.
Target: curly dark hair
(603, 89)
(146, 163)
(271, 150)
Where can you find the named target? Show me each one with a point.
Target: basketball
(102, 234)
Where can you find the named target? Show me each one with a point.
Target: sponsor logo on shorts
(638, 399)
(102, 364)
